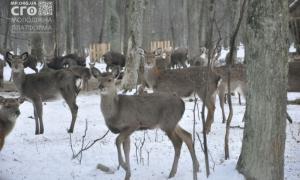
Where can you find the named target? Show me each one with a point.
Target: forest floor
(49, 156)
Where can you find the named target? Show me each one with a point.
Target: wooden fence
(165, 45)
(97, 51)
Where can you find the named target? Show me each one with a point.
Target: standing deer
(9, 112)
(179, 57)
(125, 114)
(45, 86)
(113, 58)
(184, 82)
(237, 80)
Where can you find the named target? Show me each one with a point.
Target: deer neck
(109, 105)
(7, 121)
(19, 78)
(151, 75)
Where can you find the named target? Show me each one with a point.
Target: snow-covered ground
(49, 156)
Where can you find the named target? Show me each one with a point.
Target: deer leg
(85, 84)
(210, 114)
(187, 139)
(2, 140)
(126, 148)
(222, 99)
(120, 139)
(37, 126)
(70, 99)
(182, 62)
(177, 143)
(35, 69)
(38, 116)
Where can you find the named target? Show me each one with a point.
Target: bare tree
(262, 155)
(135, 38)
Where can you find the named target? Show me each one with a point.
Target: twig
(232, 49)
(288, 117)
(293, 136)
(211, 157)
(84, 147)
(237, 127)
(194, 120)
(83, 139)
(89, 145)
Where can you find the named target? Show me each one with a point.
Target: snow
(49, 156)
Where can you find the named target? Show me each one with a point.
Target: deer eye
(109, 80)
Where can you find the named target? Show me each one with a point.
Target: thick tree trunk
(193, 21)
(68, 28)
(262, 155)
(136, 13)
(114, 26)
(203, 23)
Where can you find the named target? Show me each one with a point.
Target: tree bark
(193, 24)
(114, 26)
(136, 13)
(203, 23)
(262, 155)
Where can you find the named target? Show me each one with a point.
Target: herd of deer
(124, 114)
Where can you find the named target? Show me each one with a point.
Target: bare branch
(84, 146)
(232, 49)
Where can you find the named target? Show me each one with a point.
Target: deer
(238, 80)
(179, 57)
(45, 86)
(125, 114)
(200, 59)
(31, 63)
(113, 58)
(9, 112)
(184, 82)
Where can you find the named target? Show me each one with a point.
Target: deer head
(16, 61)
(10, 106)
(107, 84)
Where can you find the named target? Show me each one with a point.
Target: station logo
(32, 16)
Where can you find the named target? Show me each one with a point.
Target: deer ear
(8, 56)
(24, 56)
(95, 72)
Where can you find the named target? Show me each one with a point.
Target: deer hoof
(70, 130)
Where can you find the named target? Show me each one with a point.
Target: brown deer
(45, 86)
(125, 114)
(237, 81)
(184, 82)
(9, 112)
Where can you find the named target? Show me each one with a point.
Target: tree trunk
(136, 13)
(125, 33)
(262, 155)
(68, 27)
(193, 24)
(203, 22)
(114, 26)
